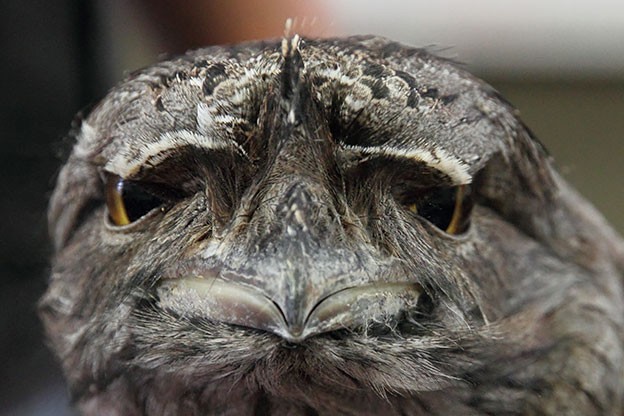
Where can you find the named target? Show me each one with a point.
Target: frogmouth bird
(339, 226)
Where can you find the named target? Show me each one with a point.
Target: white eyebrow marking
(438, 159)
(129, 161)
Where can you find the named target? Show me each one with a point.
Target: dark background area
(47, 75)
(61, 56)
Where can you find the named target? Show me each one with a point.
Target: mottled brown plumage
(343, 226)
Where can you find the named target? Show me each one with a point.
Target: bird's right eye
(127, 201)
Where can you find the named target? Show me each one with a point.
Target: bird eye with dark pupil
(127, 201)
(447, 208)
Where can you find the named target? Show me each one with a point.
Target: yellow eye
(127, 201)
(460, 218)
(448, 208)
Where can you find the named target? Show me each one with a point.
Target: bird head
(345, 225)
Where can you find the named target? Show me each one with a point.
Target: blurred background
(560, 62)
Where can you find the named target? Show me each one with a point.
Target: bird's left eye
(127, 201)
(448, 208)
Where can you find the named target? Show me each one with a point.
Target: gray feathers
(302, 171)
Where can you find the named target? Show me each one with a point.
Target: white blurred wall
(547, 37)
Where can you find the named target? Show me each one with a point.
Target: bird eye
(127, 201)
(447, 208)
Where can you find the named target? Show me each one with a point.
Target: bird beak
(293, 316)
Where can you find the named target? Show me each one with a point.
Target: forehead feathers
(376, 99)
